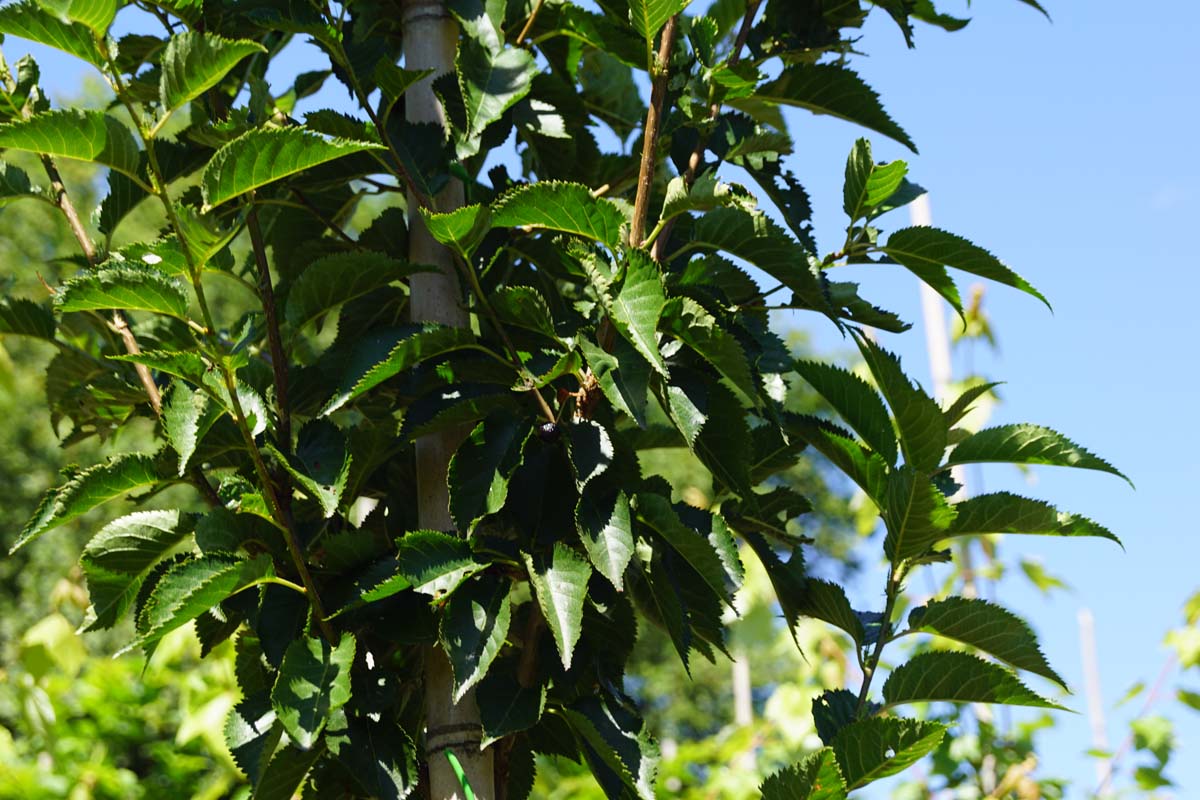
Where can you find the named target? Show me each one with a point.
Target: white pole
(1095, 698)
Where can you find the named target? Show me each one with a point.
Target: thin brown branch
(869, 669)
(529, 22)
(279, 363)
(63, 201)
(658, 95)
(714, 109)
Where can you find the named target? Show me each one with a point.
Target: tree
(425, 526)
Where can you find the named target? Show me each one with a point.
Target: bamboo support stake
(430, 42)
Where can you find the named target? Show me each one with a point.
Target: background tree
(585, 316)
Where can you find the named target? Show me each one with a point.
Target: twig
(279, 362)
(529, 22)
(893, 590)
(658, 94)
(333, 226)
(1151, 699)
(714, 109)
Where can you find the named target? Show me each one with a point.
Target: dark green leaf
(817, 777)
(787, 578)
(699, 330)
(123, 288)
(195, 62)
(72, 133)
(473, 628)
(490, 82)
(1002, 512)
(192, 586)
(617, 746)
(321, 464)
(623, 375)
(382, 355)
(251, 732)
(313, 682)
(925, 251)
(874, 748)
(482, 466)
(755, 238)
(923, 429)
(86, 490)
(15, 185)
(856, 402)
(606, 530)
(263, 156)
(26, 318)
(188, 365)
(187, 415)
(826, 601)
(381, 757)
(26, 20)
(957, 678)
(434, 563)
(916, 514)
(118, 558)
(1026, 444)
(567, 207)
(329, 281)
(286, 773)
(836, 90)
(506, 707)
(988, 627)
(655, 511)
(560, 585)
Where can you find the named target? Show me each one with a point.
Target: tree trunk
(430, 42)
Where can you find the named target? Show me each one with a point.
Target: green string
(462, 776)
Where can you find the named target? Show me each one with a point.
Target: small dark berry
(549, 432)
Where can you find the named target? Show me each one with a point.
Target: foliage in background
(610, 314)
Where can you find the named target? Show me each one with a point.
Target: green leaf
(957, 678)
(120, 556)
(187, 416)
(835, 90)
(755, 238)
(649, 16)
(868, 184)
(506, 707)
(73, 133)
(988, 627)
(321, 464)
(816, 777)
(124, 288)
(381, 757)
(86, 490)
(787, 578)
(482, 465)
(656, 511)
(263, 156)
(1002, 512)
(856, 402)
(963, 403)
(27, 21)
(462, 230)
(524, 307)
(706, 194)
(866, 468)
(826, 601)
(1023, 443)
(95, 14)
(699, 330)
(313, 682)
(194, 62)
(636, 306)
(22, 317)
(286, 772)
(622, 756)
(590, 450)
(251, 732)
(925, 251)
(473, 628)
(15, 185)
(916, 514)
(491, 83)
(874, 748)
(923, 429)
(332, 280)
(566, 207)
(188, 365)
(623, 375)
(380, 356)
(604, 519)
(723, 444)
(435, 563)
(560, 585)
(192, 586)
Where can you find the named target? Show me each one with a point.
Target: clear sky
(1064, 149)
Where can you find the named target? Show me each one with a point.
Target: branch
(658, 94)
(279, 362)
(714, 109)
(893, 591)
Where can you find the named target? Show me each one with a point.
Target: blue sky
(1064, 149)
